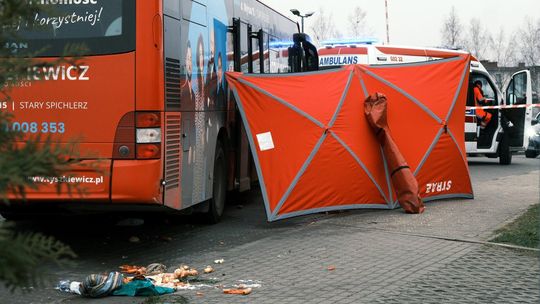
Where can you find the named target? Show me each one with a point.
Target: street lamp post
(297, 13)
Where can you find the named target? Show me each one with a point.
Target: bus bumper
(136, 181)
(103, 181)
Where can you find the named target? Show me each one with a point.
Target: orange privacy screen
(314, 150)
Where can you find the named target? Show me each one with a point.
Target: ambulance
(511, 110)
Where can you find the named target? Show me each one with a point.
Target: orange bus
(148, 103)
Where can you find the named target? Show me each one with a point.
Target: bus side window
(172, 8)
(243, 48)
(276, 60)
(260, 52)
(194, 12)
(266, 47)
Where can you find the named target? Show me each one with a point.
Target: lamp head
(295, 12)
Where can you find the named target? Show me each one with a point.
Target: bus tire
(219, 187)
(18, 216)
(505, 155)
(15, 217)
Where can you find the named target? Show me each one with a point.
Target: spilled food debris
(208, 269)
(238, 291)
(154, 280)
(134, 239)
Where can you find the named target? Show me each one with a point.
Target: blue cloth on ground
(141, 288)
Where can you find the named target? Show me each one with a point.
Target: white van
(512, 113)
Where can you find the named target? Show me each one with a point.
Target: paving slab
(362, 256)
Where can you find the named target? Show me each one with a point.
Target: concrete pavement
(360, 256)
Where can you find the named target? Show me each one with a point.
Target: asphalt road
(501, 194)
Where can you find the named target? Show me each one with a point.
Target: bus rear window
(102, 26)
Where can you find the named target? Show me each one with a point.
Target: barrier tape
(505, 107)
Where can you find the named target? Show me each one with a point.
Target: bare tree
(357, 23)
(323, 27)
(503, 48)
(511, 53)
(451, 30)
(499, 47)
(529, 42)
(478, 39)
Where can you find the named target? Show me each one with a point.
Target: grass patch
(523, 231)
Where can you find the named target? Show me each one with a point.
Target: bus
(147, 104)
(512, 111)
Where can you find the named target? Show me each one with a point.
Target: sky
(416, 22)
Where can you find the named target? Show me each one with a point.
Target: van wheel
(505, 156)
(531, 154)
(219, 187)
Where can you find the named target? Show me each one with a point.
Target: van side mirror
(534, 122)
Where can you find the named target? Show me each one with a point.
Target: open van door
(519, 93)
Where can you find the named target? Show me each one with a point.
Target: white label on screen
(265, 141)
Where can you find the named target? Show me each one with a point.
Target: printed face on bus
(200, 55)
(212, 45)
(189, 62)
(219, 69)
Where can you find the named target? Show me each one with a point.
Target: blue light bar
(350, 41)
(281, 44)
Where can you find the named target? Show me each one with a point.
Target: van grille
(172, 150)
(172, 84)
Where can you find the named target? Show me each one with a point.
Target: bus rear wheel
(219, 187)
(15, 217)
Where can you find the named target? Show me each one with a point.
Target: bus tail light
(148, 120)
(148, 135)
(138, 136)
(148, 151)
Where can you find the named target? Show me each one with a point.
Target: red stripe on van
(470, 119)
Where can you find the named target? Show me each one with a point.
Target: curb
(471, 241)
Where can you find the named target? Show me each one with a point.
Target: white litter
(193, 287)
(248, 284)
